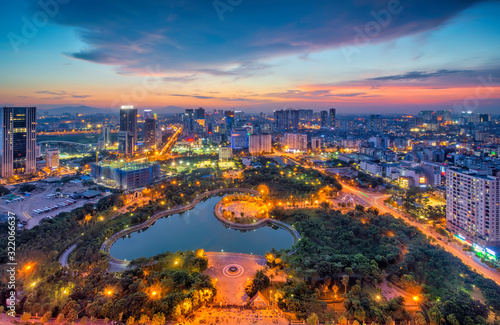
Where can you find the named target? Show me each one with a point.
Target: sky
(359, 56)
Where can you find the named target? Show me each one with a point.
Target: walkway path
(120, 264)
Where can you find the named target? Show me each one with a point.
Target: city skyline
(385, 57)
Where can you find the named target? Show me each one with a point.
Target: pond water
(198, 228)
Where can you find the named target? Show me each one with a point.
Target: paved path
(65, 255)
(231, 290)
(119, 264)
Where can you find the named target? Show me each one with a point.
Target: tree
(60, 319)
(360, 314)
(27, 188)
(389, 321)
(435, 316)
(355, 322)
(359, 208)
(345, 281)
(158, 319)
(46, 317)
(420, 319)
(452, 320)
(131, 321)
(84, 320)
(4, 191)
(1, 309)
(25, 317)
(144, 319)
(313, 319)
(342, 320)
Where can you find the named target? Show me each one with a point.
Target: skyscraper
(150, 132)
(18, 140)
(332, 117)
(148, 114)
(106, 135)
(472, 211)
(324, 119)
(128, 123)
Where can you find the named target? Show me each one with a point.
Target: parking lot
(39, 199)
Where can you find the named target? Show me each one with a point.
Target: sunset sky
(358, 56)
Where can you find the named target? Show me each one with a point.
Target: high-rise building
(128, 123)
(286, 119)
(18, 140)
(376, 124)
(316, 144)
(126, 144)
(348, 125)
(259, 143)
(106, 135)
(472, 206)
(199, 113)
(293, 141)
(229, 117)
(150, 132)
(148, 114)
(324, 119)
(332, 118)
(52, 158)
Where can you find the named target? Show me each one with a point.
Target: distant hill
(76, 109)
(94, 110)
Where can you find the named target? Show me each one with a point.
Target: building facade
(293, 141)
(225, 153)
(472, 206)
(150, 132)
(52, 158)
(18, 141)
(259, 143)
(128, 123)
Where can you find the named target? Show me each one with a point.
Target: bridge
(68, 142)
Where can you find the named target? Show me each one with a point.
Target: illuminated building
(259, 143)
(150, 132)
(472, 206)
(225, 153)
(127, 137)
(52, 158)
(126, 175)
(295, 142)
(18, 141)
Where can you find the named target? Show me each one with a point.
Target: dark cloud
(188, 35)
(420, 75)
(61, 94)
(315, 94)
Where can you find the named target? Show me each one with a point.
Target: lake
(198, 228)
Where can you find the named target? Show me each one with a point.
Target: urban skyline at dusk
(250, 162)
(256, 56)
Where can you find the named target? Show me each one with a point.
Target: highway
(377, 200)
